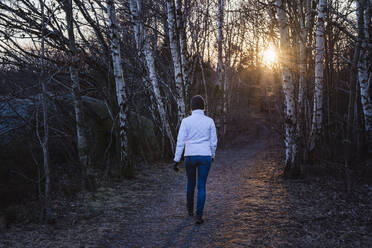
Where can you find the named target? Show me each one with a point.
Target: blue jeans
(202, 164)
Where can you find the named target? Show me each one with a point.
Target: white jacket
(198, 132)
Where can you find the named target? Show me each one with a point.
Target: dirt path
(248, 205)
(164, 222)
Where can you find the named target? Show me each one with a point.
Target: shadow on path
(248, 205)
(167, 223)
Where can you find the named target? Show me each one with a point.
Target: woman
(198, 133)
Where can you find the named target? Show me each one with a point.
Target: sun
(269, 56)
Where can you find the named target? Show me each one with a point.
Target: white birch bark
(82, 141)
(176, 60)
(302, 78)
(288, 86)
(150, 63)
(155, 84)
(81, 129)
(181, 27)
(138, 30)
(304, 21)
(119, 81)
(364, 75)
(136, 24)
(319, 71)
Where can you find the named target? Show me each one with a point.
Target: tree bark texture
(305, 24)
(119, 82)
(317, 119)
(181, 27)
(150, 62)
(174, 47)
(363, 8)
(288, 86)
(221, 5)
(81, 129)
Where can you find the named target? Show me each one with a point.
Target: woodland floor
(248, 205)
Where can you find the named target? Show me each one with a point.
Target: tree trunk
(306, 23)
(138, 36)
(150, 62)
(364, 74)
(317, 121)
(225, 89)
(352, 115)
(174, 47)
(120, 83)
(136, 25)
(303, 56)
(220, 72)
(154, 80)
(288, 88)
(44, 143)
(221, 5)
(81, 129)
(181, 27)
(204, 83)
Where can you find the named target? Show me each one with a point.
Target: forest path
(248, 205)
(244, 206)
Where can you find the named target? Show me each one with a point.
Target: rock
(100, 124)
(20, 149)
(15, 115)
(17, 123)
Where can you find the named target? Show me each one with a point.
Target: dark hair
(197, 102)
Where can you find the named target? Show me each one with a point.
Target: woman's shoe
(199, 220)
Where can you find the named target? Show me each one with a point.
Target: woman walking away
(198, 133)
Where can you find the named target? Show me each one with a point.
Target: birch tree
(221, 5)
(232, 49)
(174, 47)
(199, 36)
(135, 7)
(181, 31)
(44, 142)
(138, 37)
(288, 87)
(81, 128)
(317, 119)
(221, 120)
(119, 82)
(305, 14)
(363, 10)
(227, 63)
